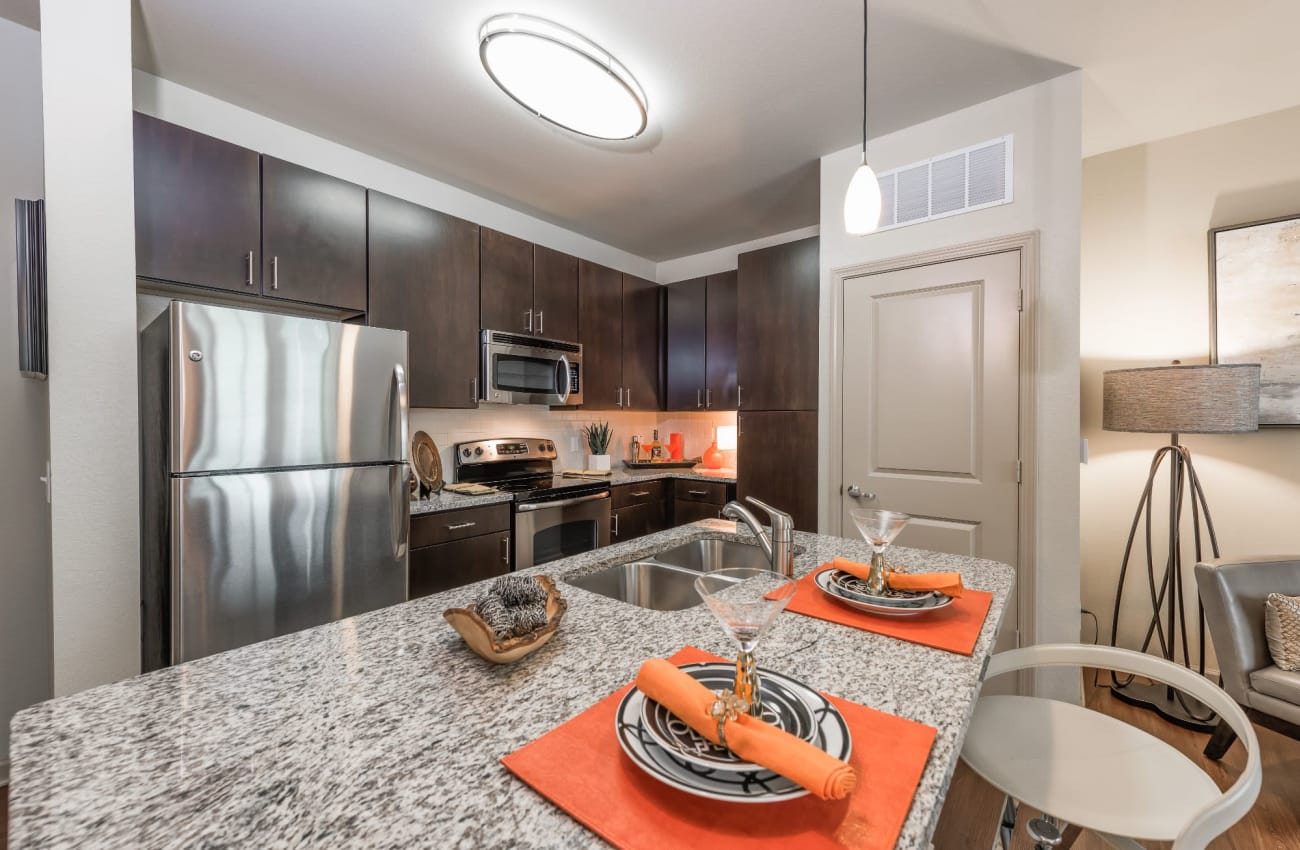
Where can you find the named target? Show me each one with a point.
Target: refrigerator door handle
(397, 411)
(401, 493)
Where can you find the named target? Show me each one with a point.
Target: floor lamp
(1177, 399)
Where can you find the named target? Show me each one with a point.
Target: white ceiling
(745, 95)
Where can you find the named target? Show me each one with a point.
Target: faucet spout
(777, 546)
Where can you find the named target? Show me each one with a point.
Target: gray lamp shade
(1218, 399)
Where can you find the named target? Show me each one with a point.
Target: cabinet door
(776, 327)
(197, 208)
(642, 305)
(637, 521)
(776, 462)
(600, 330)
(313, 236)
(507, 283)
(424, 280)
(685, 331)
(720, 320)
(685, 511)
(434, 569)
(555, 294)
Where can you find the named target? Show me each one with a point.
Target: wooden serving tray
(661, 464)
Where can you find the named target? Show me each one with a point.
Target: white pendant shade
(561, 76)
(862, 202)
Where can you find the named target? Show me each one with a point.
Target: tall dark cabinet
(313, 236)
(506, 282)
(720, 345)
(198, 216)
(700, 343)
(555, 293)
(642, 304)
(776, 364)
(424, 272)
(600, 330)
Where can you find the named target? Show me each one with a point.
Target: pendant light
(862, 200)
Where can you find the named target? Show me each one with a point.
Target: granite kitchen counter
(627, 476)
(448, 501)
(384, 730)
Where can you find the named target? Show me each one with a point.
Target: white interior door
(931, 405)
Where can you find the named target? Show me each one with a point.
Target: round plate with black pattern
(855, 588)
(736, 786)
(887, 606)
(783, 702)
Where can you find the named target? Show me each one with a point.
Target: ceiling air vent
(950, 184)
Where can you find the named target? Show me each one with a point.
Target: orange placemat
(580, 767)
(955, 628)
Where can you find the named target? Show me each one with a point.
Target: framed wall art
(1255, 309)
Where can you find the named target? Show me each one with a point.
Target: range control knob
(541, 447)
(550, 447)
(478, 452)
(464, 452)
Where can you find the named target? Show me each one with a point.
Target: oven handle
(562, 503)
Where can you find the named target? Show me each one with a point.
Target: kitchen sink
(709, 555)
(656, 586)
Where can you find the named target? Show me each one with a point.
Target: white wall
(86, 69)
(1046, 122)
(202, 113)
(1146, 212)
(25, 663)
(724, 259)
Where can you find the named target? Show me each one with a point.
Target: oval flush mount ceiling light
(561, 76)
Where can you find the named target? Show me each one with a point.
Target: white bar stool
(1097, 773)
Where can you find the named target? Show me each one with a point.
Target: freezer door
(264, 554)
(256, 390)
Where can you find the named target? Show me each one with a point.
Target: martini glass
(879, 528)
(745, 601)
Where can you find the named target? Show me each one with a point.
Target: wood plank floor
(970, 815)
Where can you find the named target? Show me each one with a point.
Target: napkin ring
(728, 706)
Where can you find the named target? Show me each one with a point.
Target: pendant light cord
(864, 80)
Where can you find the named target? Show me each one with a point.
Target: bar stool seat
(1086, 768)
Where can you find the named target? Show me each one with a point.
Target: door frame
(1027, 244)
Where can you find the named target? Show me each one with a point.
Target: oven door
(548, 531)
(523, 371)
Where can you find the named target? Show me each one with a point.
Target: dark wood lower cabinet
(434, 569)
(777, 462)
(685, 512)
(638, 509)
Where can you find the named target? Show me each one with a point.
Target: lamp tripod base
(1185, 712)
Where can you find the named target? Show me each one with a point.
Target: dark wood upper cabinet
(197, 208)
(720, 331)
(424, 279)
(555, 294)
(776, 462)
(600, 330)
(313, 236)
(642, 307)
(776, 327)
(506, 282)
(685, 344)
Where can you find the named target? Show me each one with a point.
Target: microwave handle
(562, 374)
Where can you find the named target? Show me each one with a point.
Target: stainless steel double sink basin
(665, 581)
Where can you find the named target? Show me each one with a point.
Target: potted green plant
(598, 436)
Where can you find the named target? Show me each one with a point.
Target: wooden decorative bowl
(485, 644)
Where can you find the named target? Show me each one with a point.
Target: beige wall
(1145, 300)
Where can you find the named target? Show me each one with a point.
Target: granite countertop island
(384, 730)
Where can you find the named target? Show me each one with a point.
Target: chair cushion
(1277, 683)
(1282, 628)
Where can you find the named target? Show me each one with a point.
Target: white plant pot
(600, 462)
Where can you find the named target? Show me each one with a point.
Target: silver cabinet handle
(275, 272)
(505, 549)
(708, 398)
(629, 397)
(473, 390)
(541, 322)
(250, 269)
(528, 320)
(738, 388)
(642, 494)
(620, 396)
(458, 526)
(697, 492)
(614, 527)
(699, 397)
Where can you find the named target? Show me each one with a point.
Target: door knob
(856, 492)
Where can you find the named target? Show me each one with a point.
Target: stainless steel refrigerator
(274, 476)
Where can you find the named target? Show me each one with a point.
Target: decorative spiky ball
(498, 616)
(528, 617)
(518, 590)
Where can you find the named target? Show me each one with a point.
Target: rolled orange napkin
(949, 584)
(748, 737)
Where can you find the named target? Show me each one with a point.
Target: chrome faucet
(779, 546)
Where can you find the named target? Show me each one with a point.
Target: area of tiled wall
(448, 427)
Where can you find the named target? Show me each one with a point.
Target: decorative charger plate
(426, 462)
(853, 587)
(735, 786)
(888, 607)
(787, 704)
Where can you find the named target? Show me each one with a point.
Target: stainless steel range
(554, 517)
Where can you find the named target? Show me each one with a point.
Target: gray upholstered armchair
(1233, 592)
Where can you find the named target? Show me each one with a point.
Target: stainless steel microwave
(518, 369)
